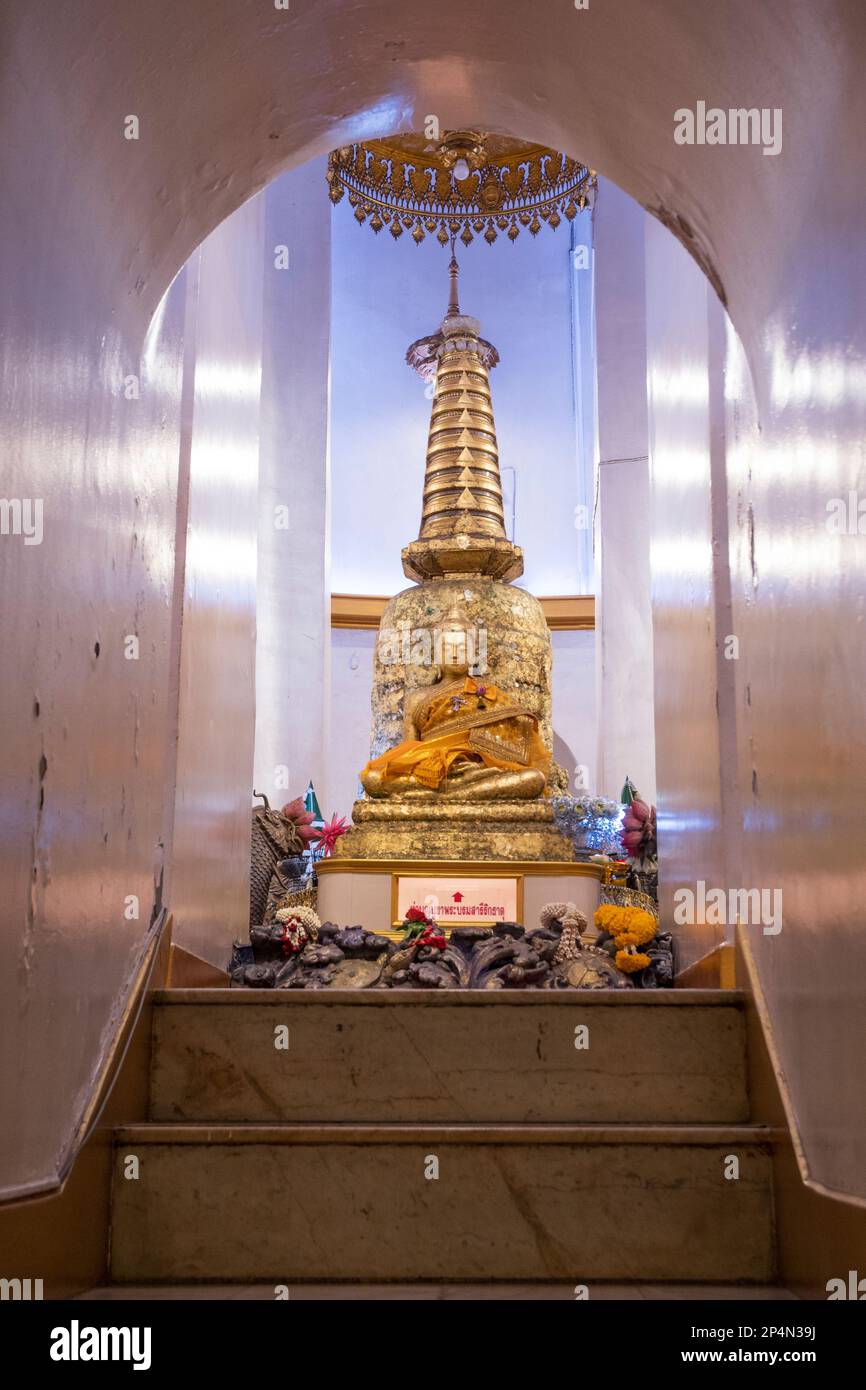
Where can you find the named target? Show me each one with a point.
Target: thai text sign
(455, 901)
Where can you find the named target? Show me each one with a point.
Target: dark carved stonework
(507, 956)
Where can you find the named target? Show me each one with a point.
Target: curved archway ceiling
(469, 184)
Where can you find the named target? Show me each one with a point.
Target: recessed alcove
(343, 432)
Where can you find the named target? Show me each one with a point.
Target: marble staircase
(373, 1136)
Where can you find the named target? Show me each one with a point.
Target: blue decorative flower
(592, 823)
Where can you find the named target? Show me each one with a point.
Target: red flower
(416, 914)
(330, 834)
(432, 937)
(294, 938)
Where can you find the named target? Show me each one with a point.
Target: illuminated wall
(209, 889)
(293, 591)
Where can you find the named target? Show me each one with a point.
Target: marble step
(662, 1056)
(526, 1202)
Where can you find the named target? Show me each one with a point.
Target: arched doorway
(78, 320)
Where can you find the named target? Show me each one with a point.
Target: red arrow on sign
(457, 898)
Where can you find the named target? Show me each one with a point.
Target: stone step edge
(160, 1132)
(365, 1290)
(463, 998)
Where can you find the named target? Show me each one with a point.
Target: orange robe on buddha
(465, 722)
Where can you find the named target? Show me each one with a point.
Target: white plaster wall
(85, 732)
(90, 429)
(621, 324)
(684, 632)
(726, 640)
(210, 874)
(352, 653)
(293, 613)
(798, 592)
(626, 729)
(585, 391)
(574, 708)
(756, 761)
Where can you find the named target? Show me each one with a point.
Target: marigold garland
(630, 927)
(629, 962)
(607, 915)
(624, 939)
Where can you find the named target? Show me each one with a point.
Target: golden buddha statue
(464, 738)
(461, 761)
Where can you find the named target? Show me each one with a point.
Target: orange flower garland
(629, 962)
(630, 927)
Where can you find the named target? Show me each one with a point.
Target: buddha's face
(455, 647)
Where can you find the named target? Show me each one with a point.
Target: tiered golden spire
(462, 519)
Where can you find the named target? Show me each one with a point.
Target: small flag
(311, 804)
(628, 793)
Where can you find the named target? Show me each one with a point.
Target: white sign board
(455, 901)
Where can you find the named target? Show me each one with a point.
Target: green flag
(628, 793)
(311, 804)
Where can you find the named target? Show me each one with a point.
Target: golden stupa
(461, 761)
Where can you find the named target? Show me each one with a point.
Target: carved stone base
(454, 830)
(503, 957)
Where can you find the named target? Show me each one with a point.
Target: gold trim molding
(564, 613)
(469, 868)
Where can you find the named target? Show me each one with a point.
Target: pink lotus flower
(302, 820)
(639, 830)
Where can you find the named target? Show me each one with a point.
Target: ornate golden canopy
(468, 184)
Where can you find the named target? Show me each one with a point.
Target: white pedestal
(364, 892)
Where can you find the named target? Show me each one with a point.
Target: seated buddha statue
(464, 739)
